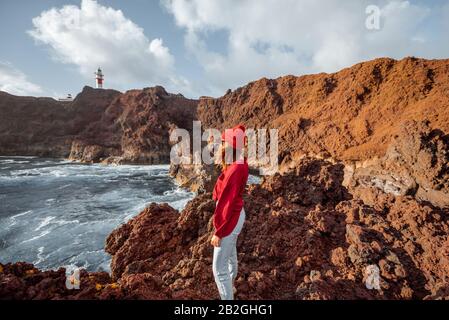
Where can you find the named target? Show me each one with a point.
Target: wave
(40, 256)
(20, 214)
(66, 209)
(42, 234)
(44, 223)
(19, 157)
(13, 218)
(178, 191)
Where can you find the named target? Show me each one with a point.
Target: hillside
(135, 127)
(99, 125)
(387, 121)
(349, 115)
(47, 127)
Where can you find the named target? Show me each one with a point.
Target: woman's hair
(229, 155)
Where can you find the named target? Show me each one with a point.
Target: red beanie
(231, 136)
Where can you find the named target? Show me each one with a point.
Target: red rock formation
(304, 238)
(198, 178)
(99, 125)
(135, 128)
(416, 163)
(362, 116)
(349, 115)
(46, 127)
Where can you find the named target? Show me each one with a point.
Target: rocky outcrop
(135, 128)
(99, 125)
(416, 163)
(198, 178)
(349, 115)
(305, 238)
(46, 127)
(319, 230)
(22, 281)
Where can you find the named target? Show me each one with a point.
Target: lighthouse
(99, 79)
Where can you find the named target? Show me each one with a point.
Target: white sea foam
(21, 214)
(20, 157)
(13, 219)
(67, 209)
(7, 161)
(44, 223)
(69, 268)
(180, 204)
(42, 234)
(40, 256)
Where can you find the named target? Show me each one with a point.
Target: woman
(229, 214)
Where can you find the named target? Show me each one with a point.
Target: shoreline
(54, 221)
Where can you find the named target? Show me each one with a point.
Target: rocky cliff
(99, 125)
(135, 128)
(388, 115)
(46, 127)
(377, 200)
(349, 115)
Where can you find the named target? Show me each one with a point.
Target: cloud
(279, 37)
(15, 81)
(94, 35)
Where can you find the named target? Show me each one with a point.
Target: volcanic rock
(135, 128)
(46, 127)
(416, 163)
(198, 178)
(99, 125)
(294, 249)
(349, 115)
(320, 248)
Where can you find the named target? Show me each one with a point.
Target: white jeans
(224, 265)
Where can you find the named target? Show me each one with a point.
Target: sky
(204, 47)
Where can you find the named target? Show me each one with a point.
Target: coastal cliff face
(135, 128)
(349, 115)
(99, 125)
(46, 127)
(385, 120)
(416, 164)
(305, 237)
(363, 186)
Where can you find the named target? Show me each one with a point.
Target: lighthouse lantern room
(99, 79)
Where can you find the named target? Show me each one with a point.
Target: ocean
(57, 213)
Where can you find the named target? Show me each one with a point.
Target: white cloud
(93, 35)
(15, 81)
(276, 37)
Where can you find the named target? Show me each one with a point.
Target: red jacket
(228, 192)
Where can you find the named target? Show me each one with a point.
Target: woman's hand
(215, 241)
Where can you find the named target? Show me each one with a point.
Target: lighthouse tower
(99, 79)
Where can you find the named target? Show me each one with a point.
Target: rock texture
(376, 200)
(388, 118)
(416, 163)
(46, 127)
(198, 178)
(305, 238)
(349, 115)
(99, 125)
(135, 128)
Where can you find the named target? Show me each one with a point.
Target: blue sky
(203, 47)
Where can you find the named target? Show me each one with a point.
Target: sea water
(56, 213)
